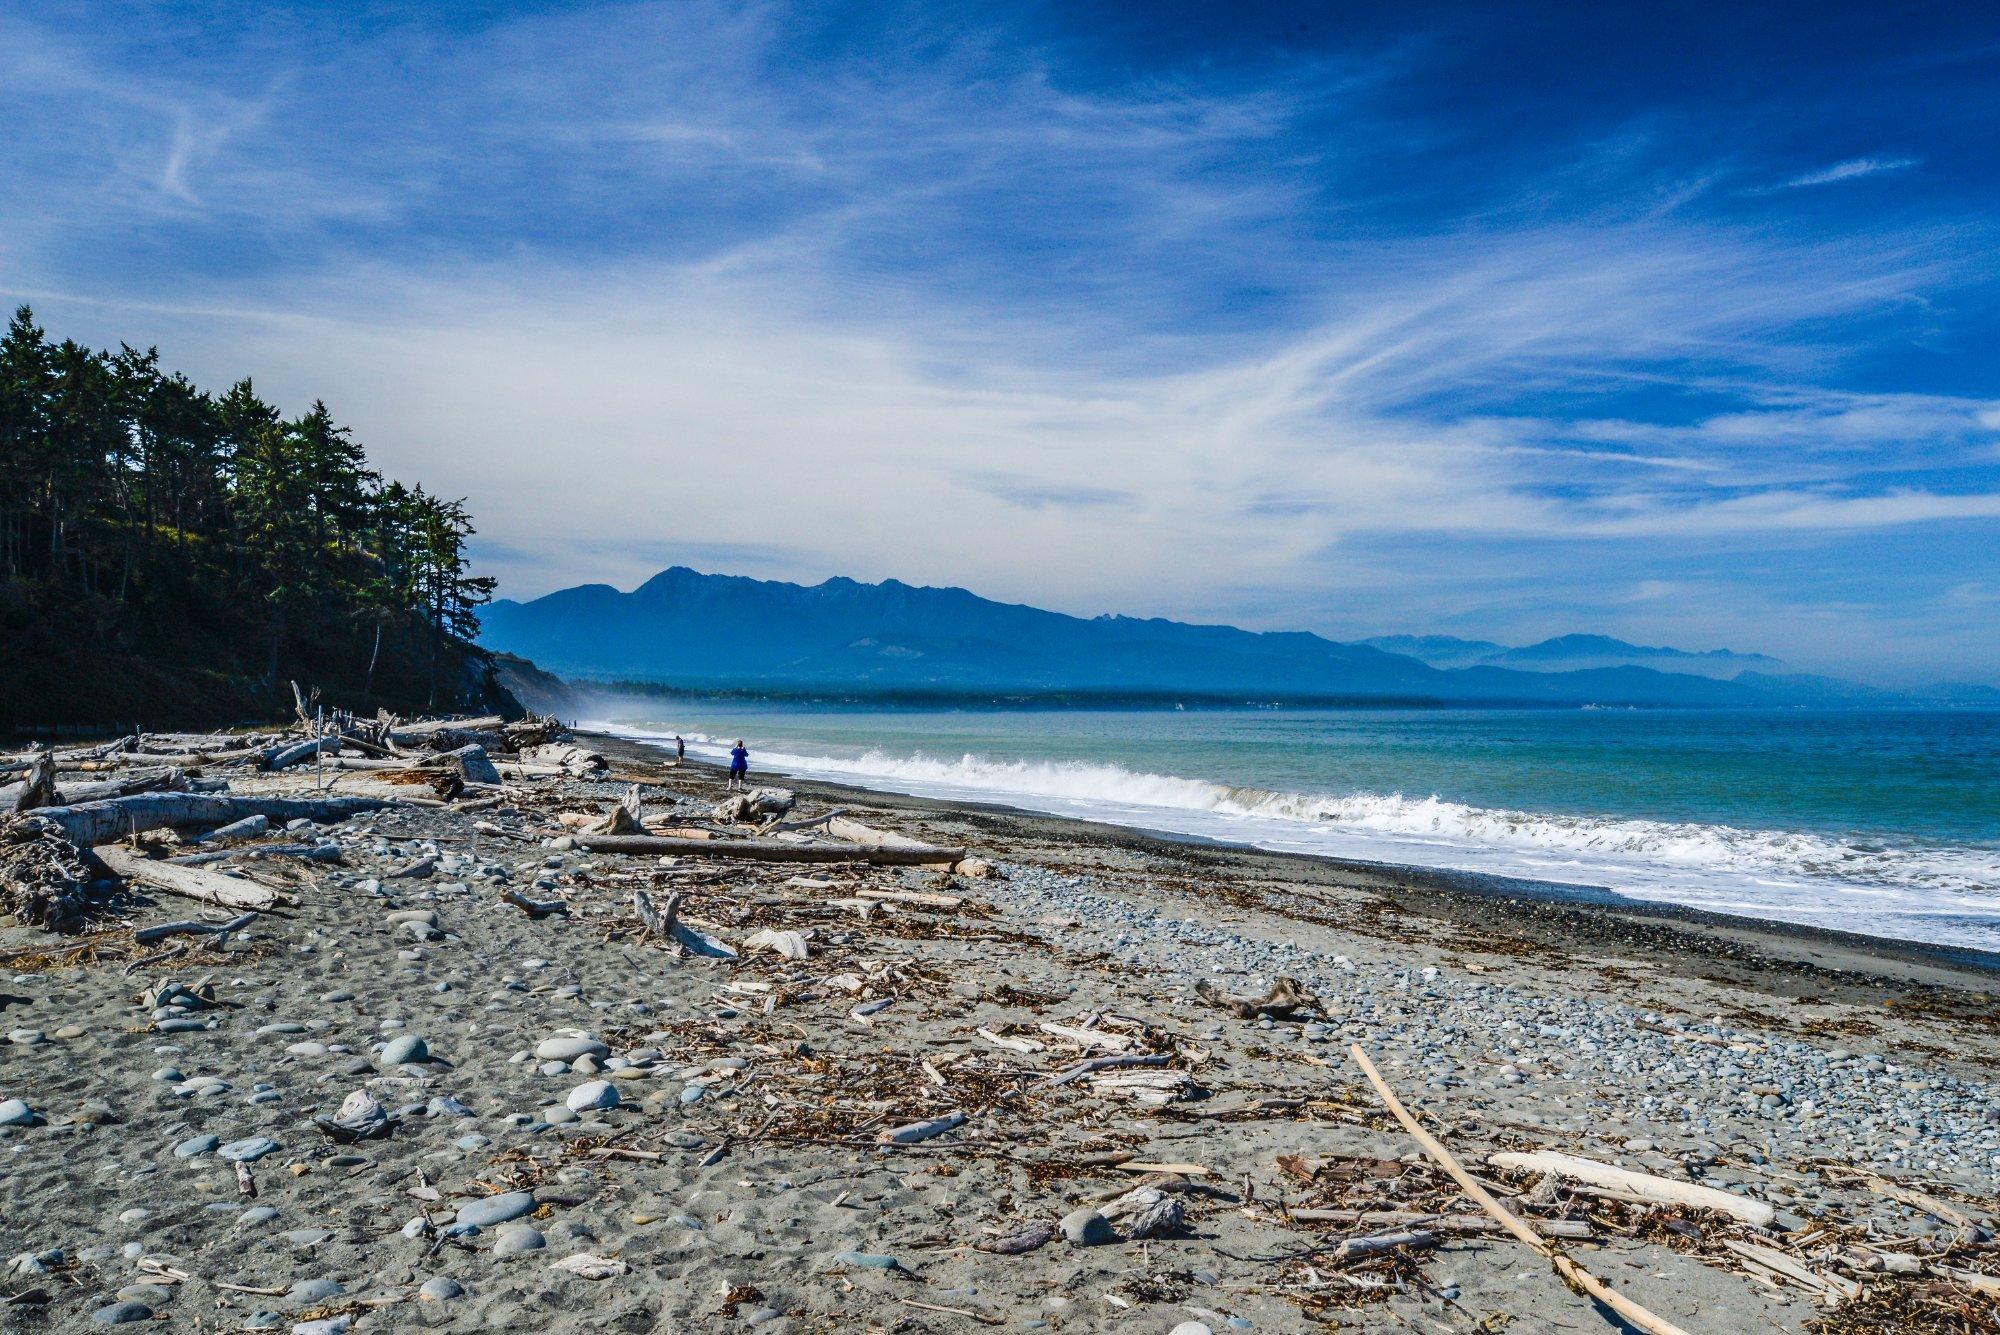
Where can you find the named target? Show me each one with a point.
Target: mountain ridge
(702, 631)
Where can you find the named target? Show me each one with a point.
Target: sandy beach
(832, 1097)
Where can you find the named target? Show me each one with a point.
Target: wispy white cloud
(645, 293)
(1852, 169)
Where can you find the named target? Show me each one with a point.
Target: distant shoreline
(1149, 699)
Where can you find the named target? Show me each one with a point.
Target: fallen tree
(767, 850)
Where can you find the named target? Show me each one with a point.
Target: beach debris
(361, 1117)
(627, 817)
(917, 1132)
(1572, 1274)
(789, 944)
(534, 908)
(586, 1265)
(1283, 999)
(754, 807)
(764, 850)
(1644, 1186)
(1143, 1212)
(1020, 1238)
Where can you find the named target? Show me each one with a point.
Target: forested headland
(173, 555)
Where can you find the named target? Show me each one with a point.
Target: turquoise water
(1884, 822)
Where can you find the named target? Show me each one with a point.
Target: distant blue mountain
(1567, 653)
(702, 631)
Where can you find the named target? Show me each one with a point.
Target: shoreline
(1595, 914)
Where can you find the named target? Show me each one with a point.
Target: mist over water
(1880, 822)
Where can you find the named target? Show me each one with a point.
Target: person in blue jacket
(739, 766)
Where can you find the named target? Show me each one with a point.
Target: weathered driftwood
(286, 755)
(1095, 1064)
(1281, 1001)
(1572, 1274)
(628, 817)
(765, 850)
(188, 882)
(534, 908)
(754, 807)
(109, 821)
(44, 881)
(39, 788)
(1415, 1239)
(854, 832)
(1026, 1238)
(1645, 1186)
(917, 1132)
(416, 732)
(222, 931)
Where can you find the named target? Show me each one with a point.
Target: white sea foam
(1948, 894)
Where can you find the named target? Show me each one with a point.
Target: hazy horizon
(1498, 324)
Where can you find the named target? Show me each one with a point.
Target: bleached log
(765, 850)
(1646, 1186)
(854, 832)
(416, 732)
(188, 882)
(1408, 1240)
(39, 788)
(285, 756)
(93, 823)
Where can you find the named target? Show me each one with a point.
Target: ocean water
(1880, 822)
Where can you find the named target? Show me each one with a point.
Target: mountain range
(1566, 653)
(705, 632)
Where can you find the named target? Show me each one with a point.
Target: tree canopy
(167, 552)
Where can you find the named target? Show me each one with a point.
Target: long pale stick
(1572, 1274)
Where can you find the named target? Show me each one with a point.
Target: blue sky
(1497, 320)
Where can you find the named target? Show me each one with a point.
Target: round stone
(118, 1314)
(498, 1209)
(313, 1290)
(592, 1096)
(440, 1289)
(407, 1048)
(517, 1238)
(248, 1150)
(569, 1047)
(195, 1146)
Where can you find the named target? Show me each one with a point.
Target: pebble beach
(842, 1095)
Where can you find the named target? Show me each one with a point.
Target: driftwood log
(766, 850)
(93, 823)
(1663, 1190)
(188, 882)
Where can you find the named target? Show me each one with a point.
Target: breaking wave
(1853, 883)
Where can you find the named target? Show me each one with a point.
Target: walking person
(680, 749)
(739, 766)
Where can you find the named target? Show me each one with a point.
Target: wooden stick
(1572, 1274)
(147, 935)
(1084, 1068)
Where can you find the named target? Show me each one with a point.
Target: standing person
(680, 748)
(739, 766)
